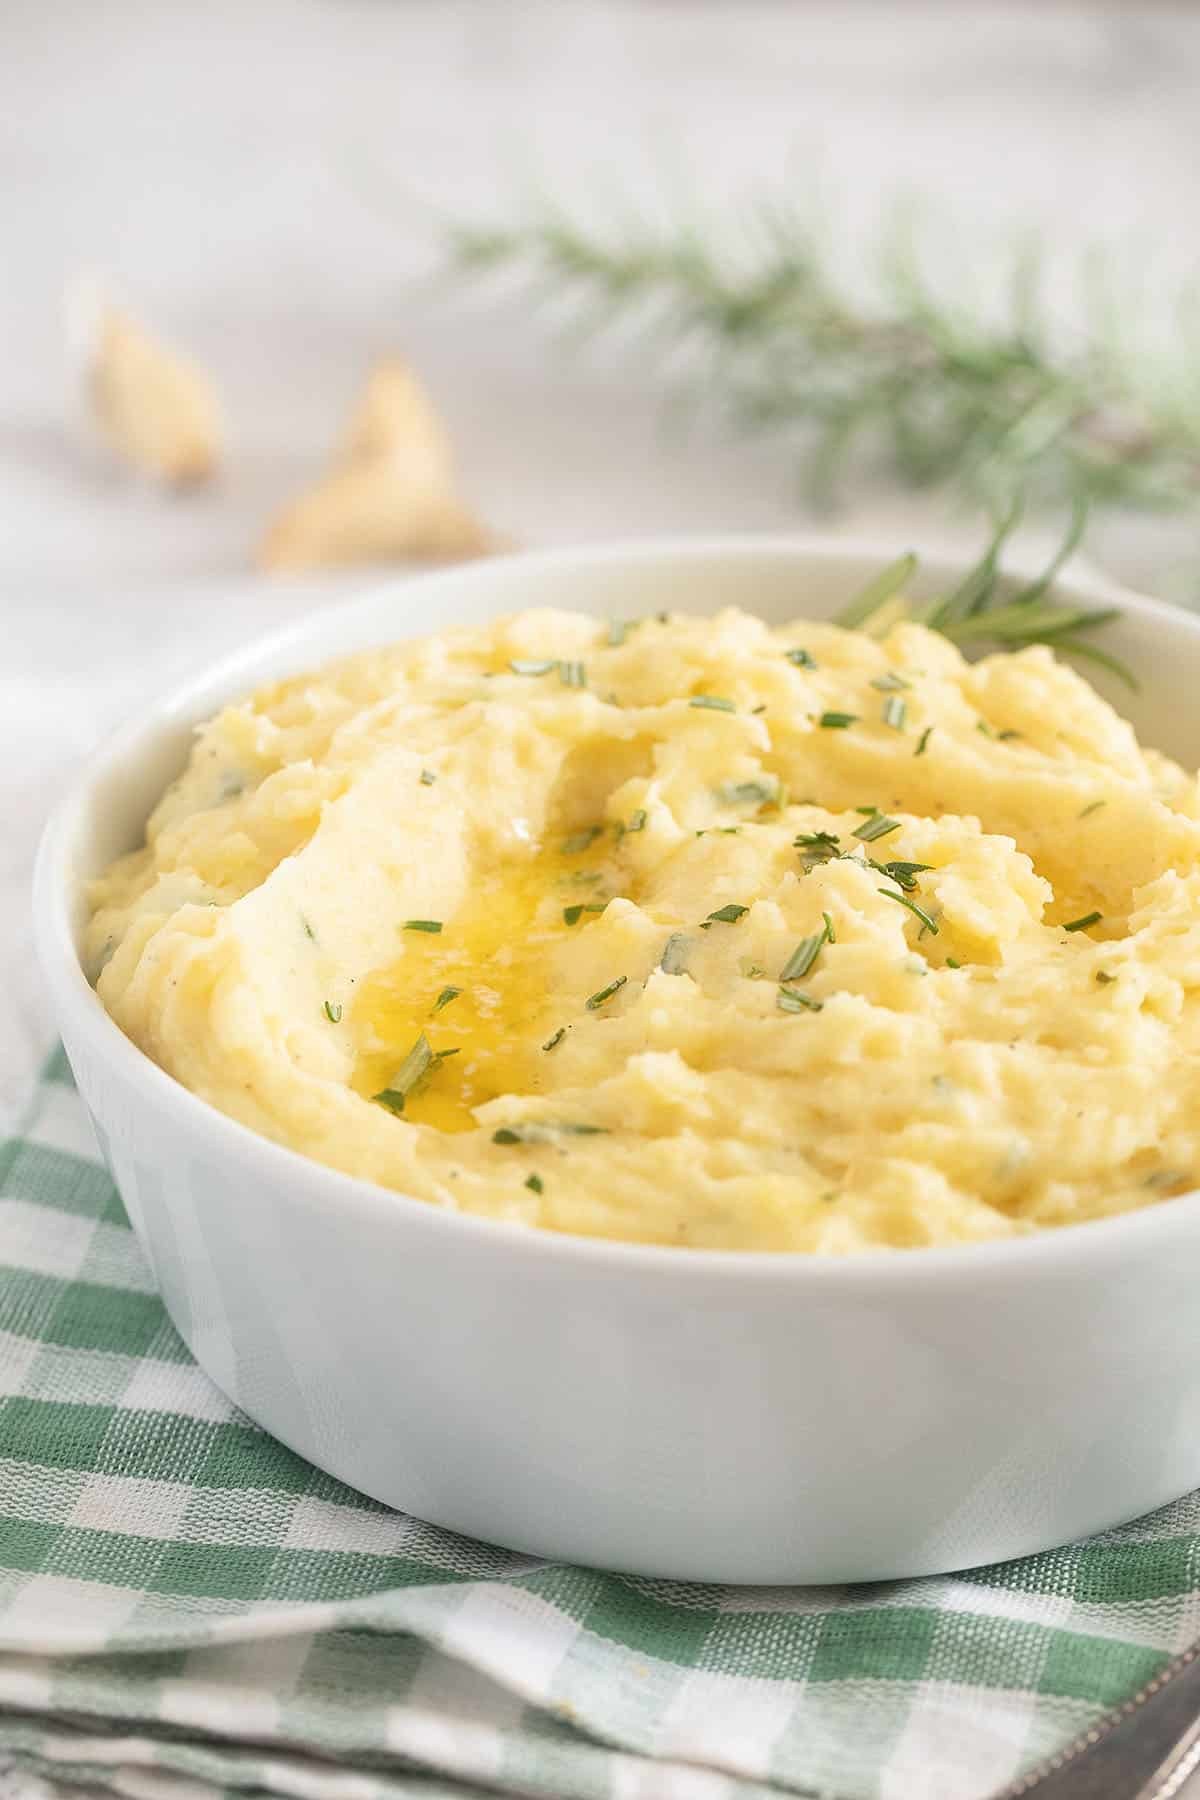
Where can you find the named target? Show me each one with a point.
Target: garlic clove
(154, 408)
(390, 494)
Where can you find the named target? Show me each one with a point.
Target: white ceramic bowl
(699, 1414)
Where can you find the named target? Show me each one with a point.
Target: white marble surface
(261, 181)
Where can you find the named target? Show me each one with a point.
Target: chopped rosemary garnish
(431, 925)
(801, 658)
(1094, 807)
(749, 969)
(829, 932)
(802, 958)
(923, 741)
(606, 993)
(616, 632)
(544, 1131)
(817, 847)
(333, 1011)
(904, 874)
(445, 997)
(727, 915)
(766, 791)
(878, 826)
(1003, 737)
(1092, 918)
(1103, 977)
(983, 726)
(952, 962)
(714, 702)
(415, 1065)
(580, 840)
(792, 1000)
(895, 711)
(637, 820)
(806, 953)
(427, 777)
(573, 914)
(837, 721)
(558, 1037)
(535, 1183)
(521, 665)
(927, 923)
(308, 930)
(572, 674)
(674, 957)
(891, 683)
(441, 1055)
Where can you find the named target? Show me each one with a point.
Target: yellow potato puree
(687, 931)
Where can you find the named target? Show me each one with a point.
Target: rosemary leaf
(877, 826)
(793, 1000)
(573, 914)
(580, 840)
(904, 874)
(928, 923)
(727, 915)
(804, 956)
(884, 586)
(415, 1065)
(763, 792)
(674, 956)
(545, 1131)
(606, 993)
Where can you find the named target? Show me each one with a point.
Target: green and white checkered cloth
(188, 1610)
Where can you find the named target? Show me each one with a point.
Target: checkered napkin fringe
(188, 1610)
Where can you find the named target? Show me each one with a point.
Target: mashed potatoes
(688, 931)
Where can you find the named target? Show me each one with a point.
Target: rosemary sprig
(984, 609)
(996, 403)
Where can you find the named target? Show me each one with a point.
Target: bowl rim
(80, 1011)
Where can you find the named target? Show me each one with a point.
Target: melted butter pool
(496, 950)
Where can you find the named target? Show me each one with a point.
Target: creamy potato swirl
(688, 931)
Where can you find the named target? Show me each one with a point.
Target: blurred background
(267, 185)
